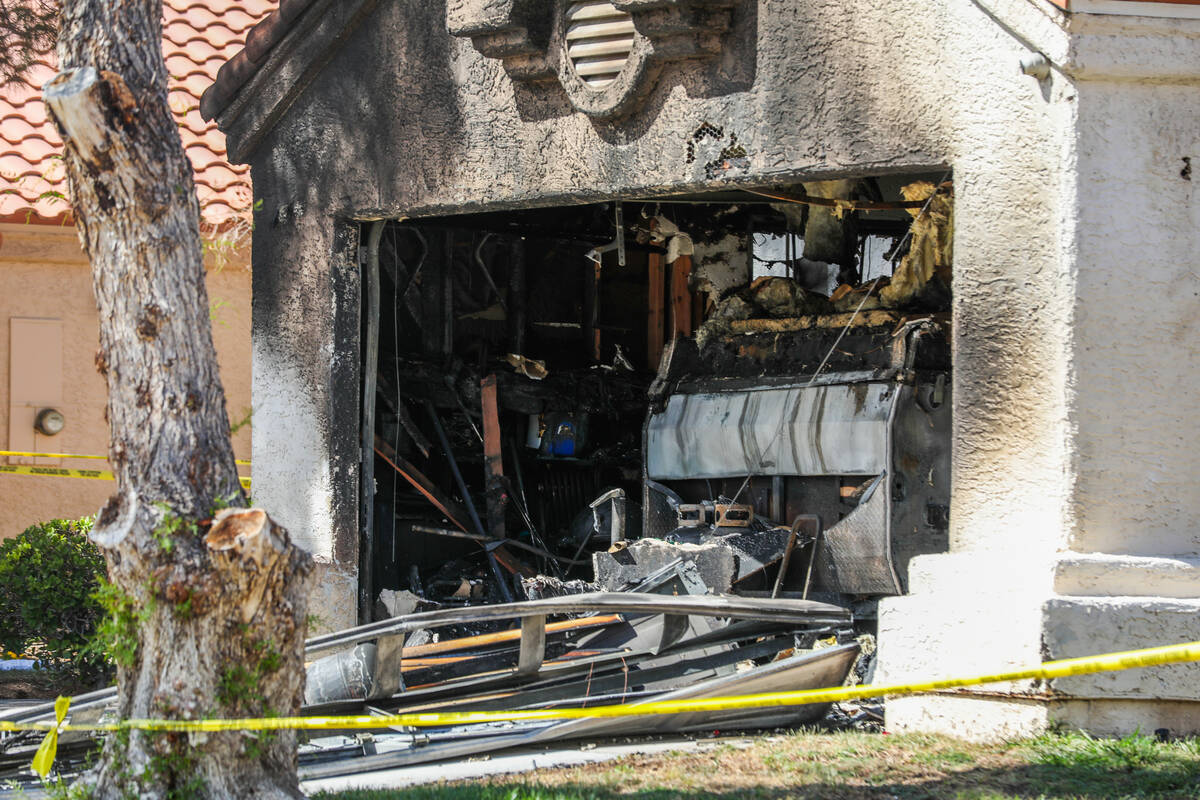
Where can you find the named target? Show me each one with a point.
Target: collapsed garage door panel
(818, 430)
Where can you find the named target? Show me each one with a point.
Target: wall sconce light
(1036, 65)
(49, 422)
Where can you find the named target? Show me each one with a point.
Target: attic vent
(599, 41)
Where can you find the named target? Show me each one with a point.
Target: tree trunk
(208, 609)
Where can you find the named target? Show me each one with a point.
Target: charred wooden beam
(422, 484)
(591, 308)
(410, 427)
(447, 298)
(681, 297)
(516, 298)
(656, 300)
(497, 494)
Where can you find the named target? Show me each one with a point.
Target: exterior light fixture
(1036, 65)
(49, 422)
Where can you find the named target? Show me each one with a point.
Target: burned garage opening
(748, 390)
(688, 442)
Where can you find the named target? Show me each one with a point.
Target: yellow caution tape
(1156, 656)
(43, 759)
(1112, 662)
(64, 472)
(59, 472)
(18, 454)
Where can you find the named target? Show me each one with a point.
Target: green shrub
(48, 576)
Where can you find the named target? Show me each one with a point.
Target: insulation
(925, 271)
(825, 231)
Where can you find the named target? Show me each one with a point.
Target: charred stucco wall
(306, 378)
(405, 120)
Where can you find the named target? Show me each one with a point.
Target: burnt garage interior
(752, 383)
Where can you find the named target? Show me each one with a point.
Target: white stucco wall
(1122, 569)
(296, 486)
(1137, 319)
(286, 430)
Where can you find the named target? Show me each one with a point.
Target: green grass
(858, 766)
(1139, 766)
(472, 792)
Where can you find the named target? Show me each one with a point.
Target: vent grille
(599, 41)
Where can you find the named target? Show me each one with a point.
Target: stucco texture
(43, 274)
(1074, 298)
(1137, 319)
(406, 120)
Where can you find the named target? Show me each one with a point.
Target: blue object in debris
(562, 440)
(564, 435)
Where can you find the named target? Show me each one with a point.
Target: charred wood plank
(410, 427)
(516, 298)
(426, 487)
(497, 494)
(591, 308)
(656, 300)
(681, 297)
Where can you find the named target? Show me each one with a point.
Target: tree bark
(216, 600)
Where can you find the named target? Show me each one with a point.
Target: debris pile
(599, 648)
(604, 649)
(568, 499)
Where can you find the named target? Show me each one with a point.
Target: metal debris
(568, 652)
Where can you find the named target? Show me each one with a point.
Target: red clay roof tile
(239, 69)
(198, 37)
